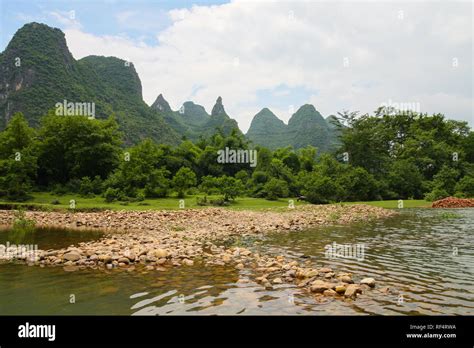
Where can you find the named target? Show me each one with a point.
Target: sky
(336, 55)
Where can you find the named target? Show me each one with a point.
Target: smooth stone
(71, 256)
(329, 292)
(341, 289)
(319, 286)
(160, 253)
(325, 270)
(368, 281)
(352, 290)
(346, 279)
(123, 260)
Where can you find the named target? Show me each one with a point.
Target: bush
(275, 188)
(436, 194)
(183, 179)
(140, 197)
(59, 190)
(74, 185)
(112, 194)
(465, 187)
(21, 222)
(229, 187)
(321, 190)
(86, 188)
(202, 201)
(220, 202)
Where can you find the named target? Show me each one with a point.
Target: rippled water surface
(424, 256)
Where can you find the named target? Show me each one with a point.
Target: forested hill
(37, 71)
(192, 120)
(305, 127)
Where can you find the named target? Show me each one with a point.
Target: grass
(43, 201)
(449, 215)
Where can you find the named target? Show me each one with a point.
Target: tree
(73, 147)
(465, 187)
(18, 159)
(184, 179)
(275, 188)
(320, 189)
(405, 180)
(229, 187)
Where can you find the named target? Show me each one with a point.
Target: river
(425, 257)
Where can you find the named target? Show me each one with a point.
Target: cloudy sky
(335, 55)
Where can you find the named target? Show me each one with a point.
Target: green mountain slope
(219, 120)
(193, 121)
(305, 127)
(37, 71)
(268, 130)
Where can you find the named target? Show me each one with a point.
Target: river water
(424, 256)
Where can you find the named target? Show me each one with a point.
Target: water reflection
(47, 237)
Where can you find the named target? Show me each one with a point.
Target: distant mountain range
(305, 127)
(37, 71)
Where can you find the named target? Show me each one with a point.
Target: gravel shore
(156, 240)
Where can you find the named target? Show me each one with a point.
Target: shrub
(59, 190)
(86, 188)
(275, 188)
(183, 179)
(140, 197)
(21, 222)
(436, 194)
(465, 187)
(112, 194)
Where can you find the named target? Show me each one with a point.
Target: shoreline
(157, 240)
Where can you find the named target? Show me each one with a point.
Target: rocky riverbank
(155, 240)
(453, 202)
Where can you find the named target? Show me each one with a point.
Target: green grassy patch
(49, 201)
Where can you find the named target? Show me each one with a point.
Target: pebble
(368, 281)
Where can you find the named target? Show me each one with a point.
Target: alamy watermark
(345, 251)
(66, 108)
(21, 251)
(237, 156)
(401, 107)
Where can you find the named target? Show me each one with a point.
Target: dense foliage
(382, 156)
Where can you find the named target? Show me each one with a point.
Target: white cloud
(66, 18)
(304, 44)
